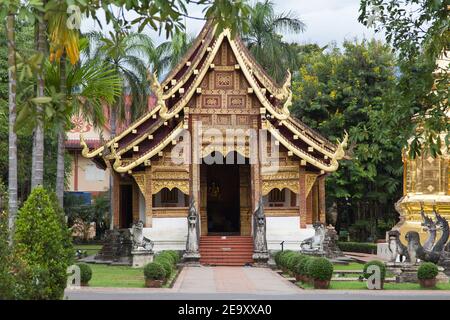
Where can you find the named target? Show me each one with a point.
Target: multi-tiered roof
(149, 135)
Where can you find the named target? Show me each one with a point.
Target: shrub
(361, 247)
(6, 278)
(166, 264)
(154, 271)
(168, 256)
(175, 255)
(285, 258)
(307, 265)
(320, 269)
(301, 267)
(85, 272)
(292, 261)
(42, 241)
(427, 270)
(277, 256)
(375, 263)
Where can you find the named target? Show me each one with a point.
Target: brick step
(227, 253)
(227, 264)
(223, 246)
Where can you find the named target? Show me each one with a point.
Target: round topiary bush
(154, 271)
(168, 256)
(308, 263)
(427, 270)
(277, 256)
(174, 254)
(166, 264)
(378, 264)
(285, 258)
(320, 269)
(292, 262)
(301, 267)
(85, 273)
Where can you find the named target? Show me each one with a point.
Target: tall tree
(12, 139)
(265, 41)
(419, 31)
(351, 89)
(37, 170)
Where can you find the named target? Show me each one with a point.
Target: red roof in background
(75, 143)
(120, 126)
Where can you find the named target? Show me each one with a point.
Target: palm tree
(118, 51)
(37, 170)
(265, 42)
(64, 40)
(12, 136)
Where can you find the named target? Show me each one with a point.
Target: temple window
(170, 198)
(280, 198)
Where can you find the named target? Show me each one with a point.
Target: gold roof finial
(158, 91)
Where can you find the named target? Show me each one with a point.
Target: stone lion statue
(139, 241)
(315, 243)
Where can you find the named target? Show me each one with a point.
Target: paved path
(239, 283)
(232, 280)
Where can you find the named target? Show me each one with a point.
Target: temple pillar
(135, 202)
(148, 196)
(302, 201)
(115, 199)
(194, 184)
(321, 195)
(310, 207)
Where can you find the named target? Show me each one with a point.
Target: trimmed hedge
(427, 270)
(320, 269)
(308, 264)
(85, 272)
(283, 258)
(276, 257)
(361, 247)
(301, 267)
(166, 264)
(292, 262)
(175, 255)
(378, 263)
(154, 271)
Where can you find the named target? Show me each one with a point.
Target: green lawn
(350, 266)
(116, 276)
(359, 285)
(89, 248)
(120, 277)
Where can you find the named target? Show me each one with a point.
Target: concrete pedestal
(141, 257)
(260, 258)
(191, 258)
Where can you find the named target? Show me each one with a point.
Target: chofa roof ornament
(158, 91)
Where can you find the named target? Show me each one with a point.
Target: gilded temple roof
(155, 130)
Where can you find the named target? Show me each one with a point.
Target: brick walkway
(232, 279)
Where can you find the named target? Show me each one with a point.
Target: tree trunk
(12, 137)
(112, 123)
(37, 176)
(61, 135)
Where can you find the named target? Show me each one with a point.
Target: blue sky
(326, 21)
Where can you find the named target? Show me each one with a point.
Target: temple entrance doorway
(223, 197)
(126, 205)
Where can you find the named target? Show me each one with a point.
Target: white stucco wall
(286, 229)
(167, 233)
(171, 233)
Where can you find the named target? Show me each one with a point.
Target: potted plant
(301, 272)
(292, 262)
(85, 274)
(426, 274)
(380, 265)
(321, 271)
(154, 274)
(166, 264)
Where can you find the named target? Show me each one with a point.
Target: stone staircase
(226, 250)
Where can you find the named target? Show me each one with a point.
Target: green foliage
(264, 39)
(6, 277)
(167, 265)
(43, 244)
(301, 267)
(361, 247)
(419, 33)
(98, 212)
(353, 89)
(293, 261)
(154, 271)
(377, 263)
(276, 257)
(427, 270)
(175, 255)
(85, 272)
(285, 258)
(308, 264)
(320, 269)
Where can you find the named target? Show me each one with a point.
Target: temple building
(221, 135)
